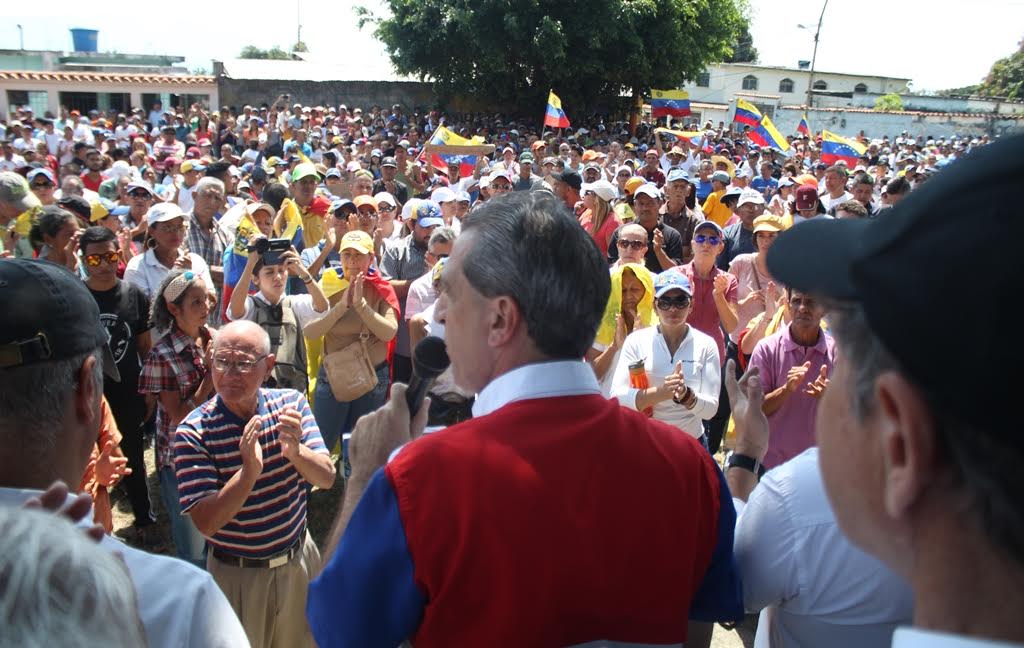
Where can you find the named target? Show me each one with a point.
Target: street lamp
(814, 56)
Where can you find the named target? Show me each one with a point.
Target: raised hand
(817, 388)
(250, 449)
(746, 396)
(659, 239)
(796, 375)
(721, 284)
(289, 433)
(110, 468)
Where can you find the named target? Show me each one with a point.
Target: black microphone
(429, 360)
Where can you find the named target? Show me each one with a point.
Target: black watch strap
(745, 462)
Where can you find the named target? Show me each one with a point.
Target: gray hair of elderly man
(251, 330)
(59, 588)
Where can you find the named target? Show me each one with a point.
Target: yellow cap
(98, 212)
(359, 241)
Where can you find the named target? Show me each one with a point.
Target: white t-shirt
(180, 605)
(421, 295)
(302, 306)
(830, 202)
(812, 586)
(698, 353)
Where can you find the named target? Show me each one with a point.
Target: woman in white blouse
(682, 363)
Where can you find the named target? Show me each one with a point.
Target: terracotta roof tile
(106, 77)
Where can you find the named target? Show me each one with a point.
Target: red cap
(806, 197)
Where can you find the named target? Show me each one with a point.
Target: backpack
(286, 343)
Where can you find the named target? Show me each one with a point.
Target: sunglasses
(636, 245)
(678, 303)
(93, 260)
(386, 208)
(139, 194)
(42, 185)
(710, 240)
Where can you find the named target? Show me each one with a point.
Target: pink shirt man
(792, 425)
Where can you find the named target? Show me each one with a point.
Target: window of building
(703, 79)
(750, 82)
(820, 85)
(35, 99)
(786, 85)
(860, 87)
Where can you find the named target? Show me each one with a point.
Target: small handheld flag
(803, 127)
(554, 116)
(670, 103)
(746, 113)
(767, 135)
(836, 147)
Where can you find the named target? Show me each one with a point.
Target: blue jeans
(334, 418)
(188, 542)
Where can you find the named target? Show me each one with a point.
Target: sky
(937, 43)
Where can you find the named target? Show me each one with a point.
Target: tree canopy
(513, 53)
(253, 52)
(1004, 79)
(889, 102)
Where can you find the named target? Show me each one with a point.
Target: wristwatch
(733, 460)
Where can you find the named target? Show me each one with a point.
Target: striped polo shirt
(206, 456)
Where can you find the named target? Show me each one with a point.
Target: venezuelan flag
(746, 113)
(693, 137)
(670, 103)
(445, 137)
(767, 135)
(836, 147)
(803, 127)
(554, 116)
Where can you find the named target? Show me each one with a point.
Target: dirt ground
(323, 507)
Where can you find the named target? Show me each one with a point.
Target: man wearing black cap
(53, 355)
(567, 187)
(919, 452)
(389, 181)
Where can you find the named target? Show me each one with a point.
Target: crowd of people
(247, 288)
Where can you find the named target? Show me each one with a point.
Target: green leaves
(511, 52)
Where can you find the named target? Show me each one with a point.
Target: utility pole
(21, 38)
(814, 56)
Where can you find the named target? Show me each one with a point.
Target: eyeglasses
(172, 229)
(241, 366)
(366, 213)
(710, 240)
(139, 195)
(679, 303)
(386, 208)
(636, 245)
(343, 214)
(93, 260)
(624, 175)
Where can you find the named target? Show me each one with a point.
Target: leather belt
(273, 562)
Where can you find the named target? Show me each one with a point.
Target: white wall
(727, 80)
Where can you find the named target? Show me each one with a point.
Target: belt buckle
(278, 561)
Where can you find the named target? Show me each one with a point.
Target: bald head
(634, 230)
(243, 335)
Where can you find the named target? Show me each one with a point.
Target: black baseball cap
(51, 316)
(571, 178)
(931, 278)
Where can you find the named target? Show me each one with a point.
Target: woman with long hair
(597, 218)
(780, 202)
(176, 372)
(755, 288)
(630, 308)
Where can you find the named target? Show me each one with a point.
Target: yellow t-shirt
(714, 210)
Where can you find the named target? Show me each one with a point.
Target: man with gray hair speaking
(506, 529)
(244, 460)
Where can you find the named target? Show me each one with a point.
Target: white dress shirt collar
(918, 638)
(541, 380)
